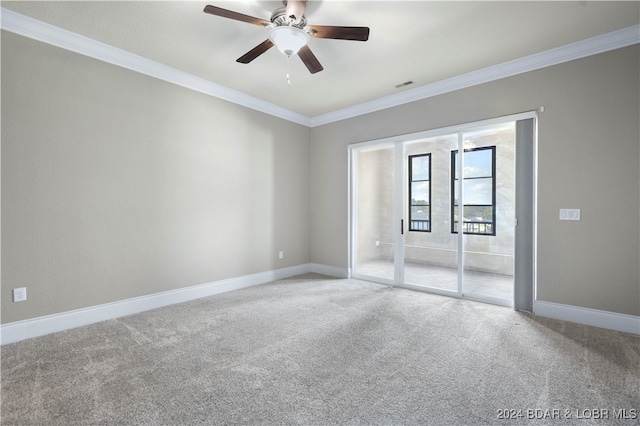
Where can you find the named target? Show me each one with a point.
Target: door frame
(526, 216)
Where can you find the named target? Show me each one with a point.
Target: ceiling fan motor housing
(280, 18)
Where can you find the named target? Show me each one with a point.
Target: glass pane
(478, 214)
(478, 163)
(374, 216)
(477, 228)
(420, 168)
(488, 248)
(420, 225)
(420, 193)
(478, 191)
(431, 259)
(420, 213)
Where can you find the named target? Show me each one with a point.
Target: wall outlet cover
(20, 294)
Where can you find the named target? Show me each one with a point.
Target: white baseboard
(332, 271)
(587, 316)
(21, 330)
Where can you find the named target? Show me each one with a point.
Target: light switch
(569, 214)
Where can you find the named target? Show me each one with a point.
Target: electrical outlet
(20, 294)
(281, 255)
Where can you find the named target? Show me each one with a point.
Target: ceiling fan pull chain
(288, 66)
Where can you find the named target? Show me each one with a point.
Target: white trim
(46, 33)
(591, 46)
(332, 271)
(21, 330)
(398, 226)
(460, 235)
(388, 142)
(587, 316)
(398, 142)
(26, 329)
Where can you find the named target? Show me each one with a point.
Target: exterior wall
(117, 185)
(588, 158)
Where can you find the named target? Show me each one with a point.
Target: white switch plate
(569, 214)
(281, 255)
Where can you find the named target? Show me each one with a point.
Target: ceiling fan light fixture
(289, 40)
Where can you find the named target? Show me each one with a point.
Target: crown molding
(55, 36)
(50, 34)
(591, 46)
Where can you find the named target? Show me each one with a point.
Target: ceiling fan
(290, 33)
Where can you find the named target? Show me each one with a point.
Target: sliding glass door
(484, 211)
(430, 248)
(427, 218)
(373, 210)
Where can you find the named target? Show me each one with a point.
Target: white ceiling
(422, 41)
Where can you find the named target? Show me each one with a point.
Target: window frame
(411, 181)
(493, 204)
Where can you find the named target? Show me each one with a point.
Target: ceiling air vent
(406, 83)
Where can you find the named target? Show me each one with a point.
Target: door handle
(401, 226)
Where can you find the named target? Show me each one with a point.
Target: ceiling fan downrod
(294, 12)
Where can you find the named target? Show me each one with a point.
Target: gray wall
(116, 185)
(589, 158)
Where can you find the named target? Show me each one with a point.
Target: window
(479, 186)
(420, 192)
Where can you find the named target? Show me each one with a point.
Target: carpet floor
(313, 350)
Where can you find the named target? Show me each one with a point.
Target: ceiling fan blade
(218, 11)
(339, 33)
(310, 60)
(255, 52)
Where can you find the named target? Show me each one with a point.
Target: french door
(438, 211)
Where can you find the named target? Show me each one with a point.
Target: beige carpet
(313, 350)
